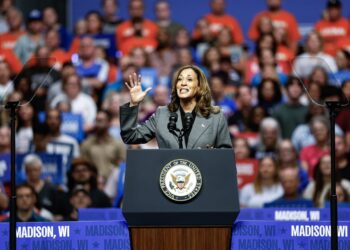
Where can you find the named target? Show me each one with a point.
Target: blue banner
(68, 235)
(51, 170)
(52, 167)
(291, 214)
(252, 235)
(89, 214)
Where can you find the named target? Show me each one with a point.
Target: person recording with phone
(189, 121)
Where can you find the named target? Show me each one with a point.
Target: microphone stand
(12, 106)
(332, 107)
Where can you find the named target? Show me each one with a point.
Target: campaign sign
(247, 169)
(72, 124)
(291, 214)
(89, 214)
(5, 167)
(51, 170)
(107, 235)
(253, 235)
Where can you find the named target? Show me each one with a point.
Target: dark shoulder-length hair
(203, 96)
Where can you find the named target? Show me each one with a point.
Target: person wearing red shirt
(218, 19)
(136, 32)
(8, 39)
(333, 28)
(280, 18)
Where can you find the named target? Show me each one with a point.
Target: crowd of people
(261, 91)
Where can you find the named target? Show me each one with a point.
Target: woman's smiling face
(187, 84)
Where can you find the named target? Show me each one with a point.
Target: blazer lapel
(200, 125)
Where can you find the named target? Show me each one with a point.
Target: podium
(157, 220)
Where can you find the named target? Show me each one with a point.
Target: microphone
(187, 122)
(172, 122)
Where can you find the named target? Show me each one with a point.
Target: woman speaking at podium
(188, 121)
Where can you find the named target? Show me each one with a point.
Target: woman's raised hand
(135, 89)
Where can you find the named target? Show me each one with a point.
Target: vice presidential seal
(180, 180)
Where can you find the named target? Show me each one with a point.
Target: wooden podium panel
(175, 238)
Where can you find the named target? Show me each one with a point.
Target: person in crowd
(27, 120)
(313, 56)
(217, 87)
(204, 125)
(83, 174)
(80, 102)
(163, 59)
(4, 202)
(342, 157)
(204, 40)
(288, 157)
(26, 198)
(28, 43)
(46, 191)
(269, 94)
(49, 138)
(109, 14)
(40, 75)
(319, 186)
(79, 198)
(241, 148)
(211, 59)
(5, 5)
(51, 22)
(265, 188)
(343, 195)
(292, 113)
(311, 154)
(6, 84)
(269, 137)
(55, 89)
(333, 27)
(319, 75)
(5, 140)
(343, 115)
(137, 31)
(218, 19)
(238, 122)
(57, 55)
(280, 18)
(342, 59)
(100, 148)
(93, 71)
(291, 197)
(112, 105)
(164, 21)
(14, 19)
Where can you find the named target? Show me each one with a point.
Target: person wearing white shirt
(80, 102)
(313, 56)
(265, 188)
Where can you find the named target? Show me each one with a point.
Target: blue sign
(253, 235)
(90, 214)
(72, 124)
(52, 168)
(68, 235)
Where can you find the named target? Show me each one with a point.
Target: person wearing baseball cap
(334, 27)
(28, 43)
